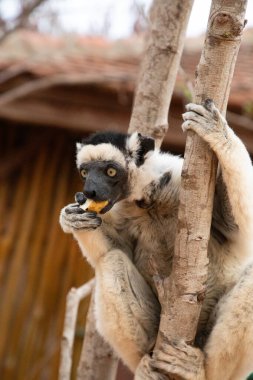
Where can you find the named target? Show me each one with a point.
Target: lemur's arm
(234, 160)
(223, 222)
(87, 230)
(127, 311)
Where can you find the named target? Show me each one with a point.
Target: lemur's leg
(132, 308)
(127, 311)
(233, 157)
(229, 349)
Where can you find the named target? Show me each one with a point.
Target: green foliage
(250, 377)
(248, 109)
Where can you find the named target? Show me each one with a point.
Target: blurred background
(68, 68)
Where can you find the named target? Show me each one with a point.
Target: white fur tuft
(100, 152)
(133, 145)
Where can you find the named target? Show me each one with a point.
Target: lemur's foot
(145, 371)
(207, 121)
(180, 360)
(73, 218)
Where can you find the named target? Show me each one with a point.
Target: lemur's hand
(73, 218)
(207, 122)
(179, 359)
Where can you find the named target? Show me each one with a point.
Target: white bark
(74, 298)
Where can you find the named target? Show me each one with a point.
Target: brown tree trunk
(214, 76)
(182, 294)
(168, 23)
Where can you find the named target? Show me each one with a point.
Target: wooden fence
(38, 262)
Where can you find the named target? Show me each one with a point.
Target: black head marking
(165, 179)
(114, 138)
(146, 144)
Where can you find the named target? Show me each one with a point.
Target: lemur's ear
(78, 147)
(138, 146)
(146, 144)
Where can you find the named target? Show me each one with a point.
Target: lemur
(138, 224)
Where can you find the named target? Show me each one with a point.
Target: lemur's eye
(83, 173)
(111, 172)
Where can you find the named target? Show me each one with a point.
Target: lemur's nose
(90, 194)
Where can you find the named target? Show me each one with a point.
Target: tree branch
(182, 294)
(159, 67)
(21, 20)
(74, 297)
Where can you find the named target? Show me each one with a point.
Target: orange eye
(111, 172)
(83, 173)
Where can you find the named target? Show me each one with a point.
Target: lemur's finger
(192, 116)
(186, 125)
(198, 109)
(211, 107)
(74, 209)
(79, 225)
(86, 216)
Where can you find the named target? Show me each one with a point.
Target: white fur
(101, 153)
(93, 244)
(156, 164)
(133, 145)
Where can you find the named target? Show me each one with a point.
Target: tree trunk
(214, 76)
(183, 293)
(159, 67)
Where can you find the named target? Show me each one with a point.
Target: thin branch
(21, 20)
(74, 297)
(28, 9)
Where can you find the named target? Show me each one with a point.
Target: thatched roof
(87, 84)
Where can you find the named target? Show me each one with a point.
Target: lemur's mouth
(110, 204)
(107, 207)
(95, 205)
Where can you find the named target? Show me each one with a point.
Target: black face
(104, 180)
